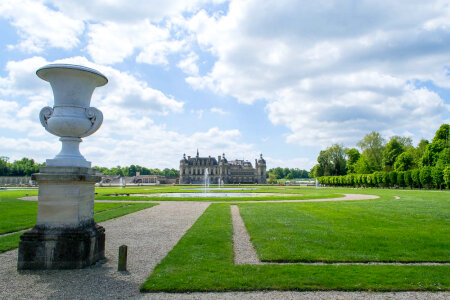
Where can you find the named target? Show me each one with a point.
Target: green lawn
(295, 193)
(203, 258)
(16, 215)
(383, 230)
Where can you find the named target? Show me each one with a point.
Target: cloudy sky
(282, 78)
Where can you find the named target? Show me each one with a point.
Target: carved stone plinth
(65, 235)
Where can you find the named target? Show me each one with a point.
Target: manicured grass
(405, 230)
(295, 193)
(16, 215)
(10, 242)
(203, 261)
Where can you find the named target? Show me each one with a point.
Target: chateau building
(193, 169)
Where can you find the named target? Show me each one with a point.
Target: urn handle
(45, 114)
(96, 117)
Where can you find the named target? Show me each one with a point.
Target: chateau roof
(201, 161)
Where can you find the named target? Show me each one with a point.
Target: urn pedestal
(65, 235)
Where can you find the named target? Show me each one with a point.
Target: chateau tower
(260, 166)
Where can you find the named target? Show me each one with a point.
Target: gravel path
(244, 252)
(149, 234)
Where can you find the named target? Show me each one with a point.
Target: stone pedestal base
(65, 235)
(70, 248)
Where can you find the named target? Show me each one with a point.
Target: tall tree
(324, 162)
(363, 166)
(403, 140)
(441, 141)
(443, 134)
(404, 161)
(372, 146)
(337, 156)
(353, 156)
(4, 165)
(332, 161)
(391, 151)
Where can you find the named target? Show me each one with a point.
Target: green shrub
(437, 173)
(446, 176)
(393, 178)
(386, 181)
(425, 176)
(364, 179)
(401, 179)
(351, 180)
(408, 179)
(415, 176)
(379, 178)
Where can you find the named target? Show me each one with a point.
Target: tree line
(286, 173)
(27, 166)
(133, 169)
(396, 162)
(23, 167)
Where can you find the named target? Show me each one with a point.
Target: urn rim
(43, 72)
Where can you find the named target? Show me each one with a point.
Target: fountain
(121, 183)
(206, 181)
(317, 183)
(220, 183)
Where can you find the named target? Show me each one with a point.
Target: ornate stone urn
(65, 235)
(71, 117)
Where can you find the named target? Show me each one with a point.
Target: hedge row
(425, 177)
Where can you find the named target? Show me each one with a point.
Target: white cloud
(111, 42)
(21, 78)
(199, 113)
(115, 30)
(17, 148)
(124, 92)
(130, 11)
(331, 71)
(39, 26)
(218, 110)
(188, 64)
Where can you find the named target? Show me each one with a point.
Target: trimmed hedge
(427, 177)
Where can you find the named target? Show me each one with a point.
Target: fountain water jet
(206, 180)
